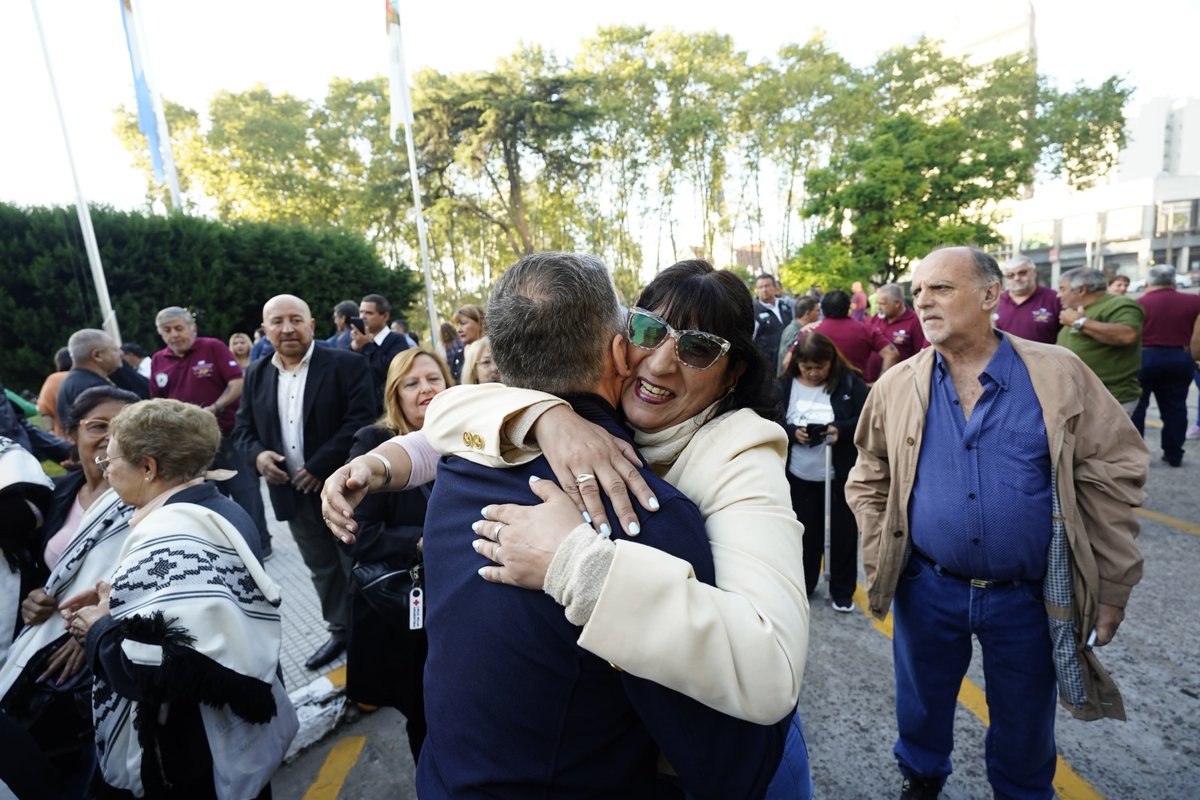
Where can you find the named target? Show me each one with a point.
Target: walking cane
(828, 504)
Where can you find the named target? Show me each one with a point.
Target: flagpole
(160, 116)
(435, 338)
(81, 207)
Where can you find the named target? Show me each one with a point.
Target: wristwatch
(1078, 324)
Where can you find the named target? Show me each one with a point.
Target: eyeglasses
(102, 463)
(695, 349)
(99, 427)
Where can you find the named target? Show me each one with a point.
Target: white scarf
(90, 556)
(17, 466)
(187, 580)
(662, 449)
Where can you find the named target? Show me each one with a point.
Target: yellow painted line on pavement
(1178, 524)
(1067, 782)
(1153, 423)
(341, 759)
(337, 677)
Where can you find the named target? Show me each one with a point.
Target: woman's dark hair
(835, 304)
(88, 399)
(819, 348)
(62, 359)
(691, 294)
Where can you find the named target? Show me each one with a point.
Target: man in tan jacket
(994, 490)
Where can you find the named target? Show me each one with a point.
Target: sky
(198, 48)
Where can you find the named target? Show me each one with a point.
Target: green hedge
(223, 273)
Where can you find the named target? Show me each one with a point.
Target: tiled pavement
(303, 628)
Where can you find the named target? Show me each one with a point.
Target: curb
(320, 706)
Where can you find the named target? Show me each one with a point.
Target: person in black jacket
(822, 398)
(385, 660)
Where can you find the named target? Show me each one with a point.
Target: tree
(950, 141)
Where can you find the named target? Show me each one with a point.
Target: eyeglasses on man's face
(695, 349)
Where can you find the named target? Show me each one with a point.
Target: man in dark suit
(299, 412)
(497, 655)
(771, 315)
(379, 345)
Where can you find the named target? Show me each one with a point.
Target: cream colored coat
(739, 646)
(1101, 463)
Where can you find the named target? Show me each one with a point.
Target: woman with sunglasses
(44, 682)
(702, 405)
(822, 399)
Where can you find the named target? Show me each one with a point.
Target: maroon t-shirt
(1170, 316)
(854, 339)
(1036, 319)
(199, 376)
(904, 332)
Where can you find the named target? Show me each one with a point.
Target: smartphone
(816, 434)
(357, 322)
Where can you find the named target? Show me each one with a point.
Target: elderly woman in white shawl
(184, 641)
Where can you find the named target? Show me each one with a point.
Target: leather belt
(977, 583)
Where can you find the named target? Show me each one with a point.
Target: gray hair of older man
(551, 317)
(1019, 261)
(1161, 275)
(173, 313)
(84, 341)
(892, 290)
(1092, 280)
(986, 270)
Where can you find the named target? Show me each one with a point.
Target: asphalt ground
(848, 693)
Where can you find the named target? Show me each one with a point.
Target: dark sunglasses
(695, 349)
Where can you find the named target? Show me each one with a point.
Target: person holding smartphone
(822, 398)
(370, 335)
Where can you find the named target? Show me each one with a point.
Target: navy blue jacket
(518, 710)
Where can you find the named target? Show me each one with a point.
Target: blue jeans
(793, 780)
(935, 616)
(1167, 372)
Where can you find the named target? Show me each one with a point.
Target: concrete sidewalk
(318, 696)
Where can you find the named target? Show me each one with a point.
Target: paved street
(847, 697)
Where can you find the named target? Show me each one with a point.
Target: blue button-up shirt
(981, 504)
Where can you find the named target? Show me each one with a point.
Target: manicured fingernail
(653, 503)
(587, 518)
(483, 511)
(483, 572)
(634, 529)
(475, 526)
(534, 478)
(605, 530)
(478, 543)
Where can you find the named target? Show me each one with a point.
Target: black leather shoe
(326, 653)
(920, 789)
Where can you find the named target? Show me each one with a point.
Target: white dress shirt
(290, 397)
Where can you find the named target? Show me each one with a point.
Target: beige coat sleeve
(740, 646)
(469, 421)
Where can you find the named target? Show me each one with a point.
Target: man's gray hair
(1161, 275)
(987, 271)
(1020, 261)
(84, 341)
(892, 290)
(1092, 280)
(171, 313)
(550, 318)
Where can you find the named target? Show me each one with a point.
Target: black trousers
(808, 501)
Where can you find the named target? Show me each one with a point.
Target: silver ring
(583, 478)
(497, 533)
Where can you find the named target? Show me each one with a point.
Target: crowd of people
(611, 531)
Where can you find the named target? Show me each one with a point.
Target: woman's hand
(65, 662)
(37, 607)
(802, 434)
(81, 621)
(522, 540)
(577, 450)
